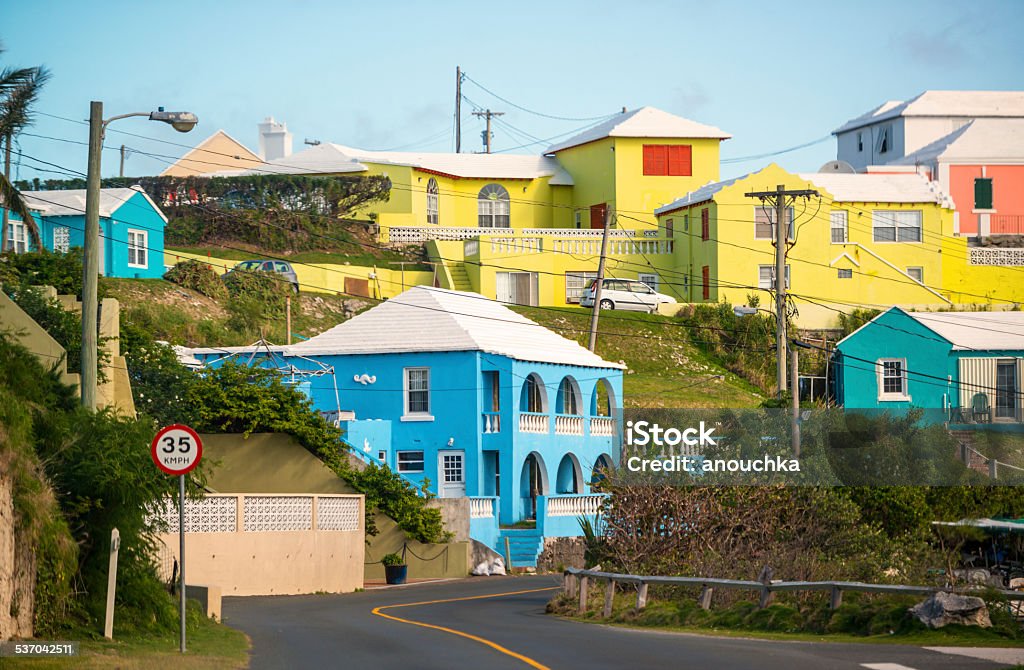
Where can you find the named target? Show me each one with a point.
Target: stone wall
(17, 571)
(560, 553)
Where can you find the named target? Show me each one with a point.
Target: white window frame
(18, 243)
(769, 283)
(650, 279)
(408, 414)
(897, 220)
(61, 242)
(493, 207)
(433, 204)
(918, 270)
(769, 212)
(884, 141)
(575, 283)
(579, 219)
(892, 396)
(840, 222)
(135, 249)
(401, 466)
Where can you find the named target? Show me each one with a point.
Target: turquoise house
(959, 367)
(468, 398)
(131, 229)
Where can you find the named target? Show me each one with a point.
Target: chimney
(275, 140)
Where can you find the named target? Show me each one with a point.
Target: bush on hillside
(44, 268)
(199, 277)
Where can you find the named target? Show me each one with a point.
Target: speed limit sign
(177, 449)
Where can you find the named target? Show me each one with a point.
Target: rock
(942, 609)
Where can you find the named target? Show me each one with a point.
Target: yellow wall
(593, 170)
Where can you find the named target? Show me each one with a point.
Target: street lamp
(180, 121)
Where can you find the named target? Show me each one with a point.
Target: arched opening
(570, 475)
(533, 482)
(602, 400)
(602, 466)
(570, 399)
(433, 215)
(492, 206)
(534, 396)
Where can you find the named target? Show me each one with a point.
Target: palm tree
(19, 89)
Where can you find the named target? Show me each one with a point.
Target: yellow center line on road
(476, 638)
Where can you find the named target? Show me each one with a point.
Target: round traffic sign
(176, 449)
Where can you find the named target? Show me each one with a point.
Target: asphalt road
(512, 631)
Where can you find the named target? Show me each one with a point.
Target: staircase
(525, 545)
(460, 279)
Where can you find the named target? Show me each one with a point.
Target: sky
(382, 75)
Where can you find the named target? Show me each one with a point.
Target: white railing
(482, 508)
(616, 247)
(602, 426)
(996, 256)
(574, 505)
(568, 424)
(492, 422)
(515, 245)
(533, 422)
(262, 512)
(471, 248)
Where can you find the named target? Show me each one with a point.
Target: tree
(19, 89)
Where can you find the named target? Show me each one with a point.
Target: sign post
(177, 450)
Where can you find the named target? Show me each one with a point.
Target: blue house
(131, 229)
(457, 392)
(960, 367)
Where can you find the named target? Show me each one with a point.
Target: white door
(451, 472)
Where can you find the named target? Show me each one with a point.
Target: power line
(536, 113)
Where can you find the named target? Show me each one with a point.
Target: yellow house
(866, 240)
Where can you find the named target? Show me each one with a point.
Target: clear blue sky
(381, 75)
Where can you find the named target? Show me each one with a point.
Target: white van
(626, 294)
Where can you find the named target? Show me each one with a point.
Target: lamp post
(180, 121)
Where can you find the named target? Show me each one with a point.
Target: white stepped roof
(425, 319)
(643, 122)
(877, 187)
(320, 159)
(702, 194)
(983, 331)
(980, 140)
(967, 104)
(72, 202)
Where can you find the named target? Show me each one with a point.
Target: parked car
(282, 268)
(625, 294)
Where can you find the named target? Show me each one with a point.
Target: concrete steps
(460, 278)
(525, 545)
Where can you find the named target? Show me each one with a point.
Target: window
(517, 288)
(16, 237)
(579, 219)
(1006, 390)
(410, 461)
(840, 227)
(417, 392)
(137, 243)
(575, 282)
(982, 194)
(61, 239)
(669, 227)
(916, 273)
(705, 273)
(884, 143)
(892, 379)
(896, 225)
(533, 399)
(281, 266)
(649, 279)
(569, 400)
(764, 222)
(860, 141)
(432, 211)
(492, 207)
(705, 225)
(664, 160)
(686, 223)
(766, 277)
(845, 274)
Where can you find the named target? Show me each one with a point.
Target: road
(480, 629)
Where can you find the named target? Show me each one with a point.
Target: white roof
(979, 140)
(703, 194)
(426, 319)
(969, 104)
(984, 331)
(72, 203)
(334, 158)
(875, 187)
(643, 122)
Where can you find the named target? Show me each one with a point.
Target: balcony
(1006, 224)
(568, 424)
(602, 426)
(491, 423)
(534, 422)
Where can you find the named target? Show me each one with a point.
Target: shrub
(392, 560)
(197, 276)
(44, 268)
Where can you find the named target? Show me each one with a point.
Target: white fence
(262, 513)
(566, 424)
(602, 426)
(574, 505)
(530, 422)
(482, 508)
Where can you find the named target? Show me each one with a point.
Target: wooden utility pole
(6, 214)
(780, 198)
(458, 109)
(795, 417)
(599, 281)
(288, 318)
(487, 133)
(121, 172)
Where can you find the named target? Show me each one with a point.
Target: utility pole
(121, 172)
(780, 197)
(599, 281)
(795, 417)
(487, 133)
(90, 265)
(458, 109)
(6, 215)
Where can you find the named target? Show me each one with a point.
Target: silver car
(625, 294)
(282, 268)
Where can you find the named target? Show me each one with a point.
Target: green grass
(381, 258)
(665, 369)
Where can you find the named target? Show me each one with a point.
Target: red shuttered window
(705, 225)
(655, 159)
(665, 160)
(705, 273)
(679, 161)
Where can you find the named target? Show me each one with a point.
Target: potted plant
(394, 568)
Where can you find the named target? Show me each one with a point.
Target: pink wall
(1007, 192)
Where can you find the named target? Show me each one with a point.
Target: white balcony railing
(574, 505)
(481, 508)
(491, 422)
(533, 422)
(602, 426)
(413, 235)
(567, 424)
(515, 245)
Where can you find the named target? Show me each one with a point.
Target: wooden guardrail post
(584, 583)
(609, 598)
(569, 584)
(837, 598)
(704, 600)
(641, 596)
(767, 596)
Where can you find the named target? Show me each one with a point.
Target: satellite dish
(838, 167)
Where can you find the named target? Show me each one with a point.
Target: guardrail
(576, 582)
